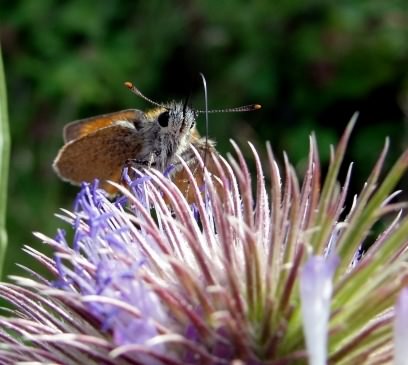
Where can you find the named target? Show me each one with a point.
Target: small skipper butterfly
(100, 147)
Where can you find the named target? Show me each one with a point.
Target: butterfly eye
(192, 125)
(163, 119)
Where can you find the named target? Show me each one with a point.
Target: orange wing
(82, 127)
(100, 155)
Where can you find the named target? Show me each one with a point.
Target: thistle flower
(278, 276)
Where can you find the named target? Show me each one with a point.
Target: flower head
(271, 277)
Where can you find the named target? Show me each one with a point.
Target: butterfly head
(170, 128)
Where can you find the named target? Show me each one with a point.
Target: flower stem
(4, 163)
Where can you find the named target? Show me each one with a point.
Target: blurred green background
(311, 64)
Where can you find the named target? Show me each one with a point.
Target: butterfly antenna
(206, 116)
(136, 91)
(244, 108)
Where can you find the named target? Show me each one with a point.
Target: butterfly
(100, 147)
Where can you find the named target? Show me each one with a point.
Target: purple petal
(316, 290)
(401, 329)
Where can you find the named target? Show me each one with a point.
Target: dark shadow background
(311, 64)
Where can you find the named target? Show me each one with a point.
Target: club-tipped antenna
(136, 91)
(244, 108)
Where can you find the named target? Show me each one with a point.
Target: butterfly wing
(82, 127)
(101, 154)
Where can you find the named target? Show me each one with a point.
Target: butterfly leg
(132, 162)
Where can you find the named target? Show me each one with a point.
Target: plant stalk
(4, 163)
